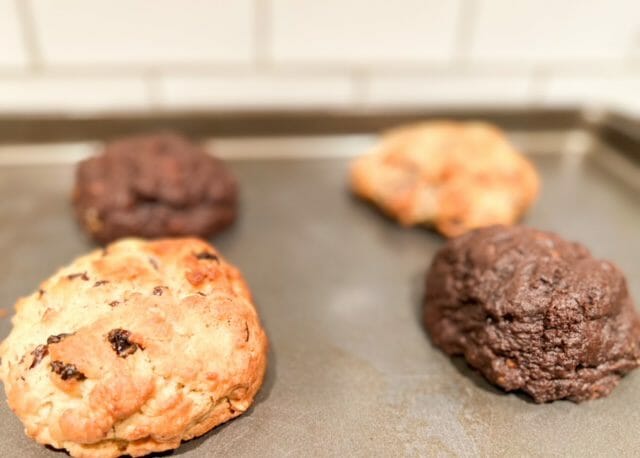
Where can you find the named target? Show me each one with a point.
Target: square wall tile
(549, 30)
(12, 49)
(362, 31)
(249, 91)
(442, 90)
(608, 91)
(144, 32)
(64, 95)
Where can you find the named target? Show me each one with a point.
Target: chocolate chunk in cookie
(38, 355)
(533, 312)
(121, 343)
(206, 256)
(54, 339)
(67, 371)
(154, 186)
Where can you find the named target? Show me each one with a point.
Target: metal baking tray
(339, 286)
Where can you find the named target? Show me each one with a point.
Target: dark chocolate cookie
(154, 186)
(533, 312)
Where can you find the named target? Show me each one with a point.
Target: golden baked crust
(455, 176)
(134, 348)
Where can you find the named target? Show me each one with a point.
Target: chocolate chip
(43, 350)
(246, 330)
(119, 340)
(38, 353)
(67, 371)
(40, 293)
(153, 263)
(158, 290)
(82, 275)
(205, 255)
(57, 338)
(100, 283)
(114, 303)
(201, 293)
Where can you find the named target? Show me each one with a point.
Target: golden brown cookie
(133, 349)
(454, 176)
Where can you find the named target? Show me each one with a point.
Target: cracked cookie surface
(533, 312)
(134, 348)
(451, 175)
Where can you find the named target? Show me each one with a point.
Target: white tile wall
(74, 94)
(255, 91)
(70, 55)
(12, 50)
(144, 32)
(554, 30)
(363, 31)
(604, 90)
(453, 89)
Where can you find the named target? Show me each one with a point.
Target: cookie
(154, 186)
(134, 348)
(533, 312)
(450, 175)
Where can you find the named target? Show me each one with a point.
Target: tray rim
(39, 126)
(614, 128)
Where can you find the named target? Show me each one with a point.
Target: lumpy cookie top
(452, 175)
(533, 312)
(133, 348)
(154, 186)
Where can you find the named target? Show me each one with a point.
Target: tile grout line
(464, 31)
(261, 33)
(360, 88)
(539, 80)
(29, 35)
(633, 53)
(153, 88)
(488, 68)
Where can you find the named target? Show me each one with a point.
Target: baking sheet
(339, 288)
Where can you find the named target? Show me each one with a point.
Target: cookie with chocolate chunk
(154, 186)
(454, 176)
(134, 348)
(533, 312)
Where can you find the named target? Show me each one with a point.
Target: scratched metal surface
(351, 371)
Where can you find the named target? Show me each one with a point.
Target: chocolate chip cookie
(134, 348)
(154, 186)
(533, 312)
(450, 175)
